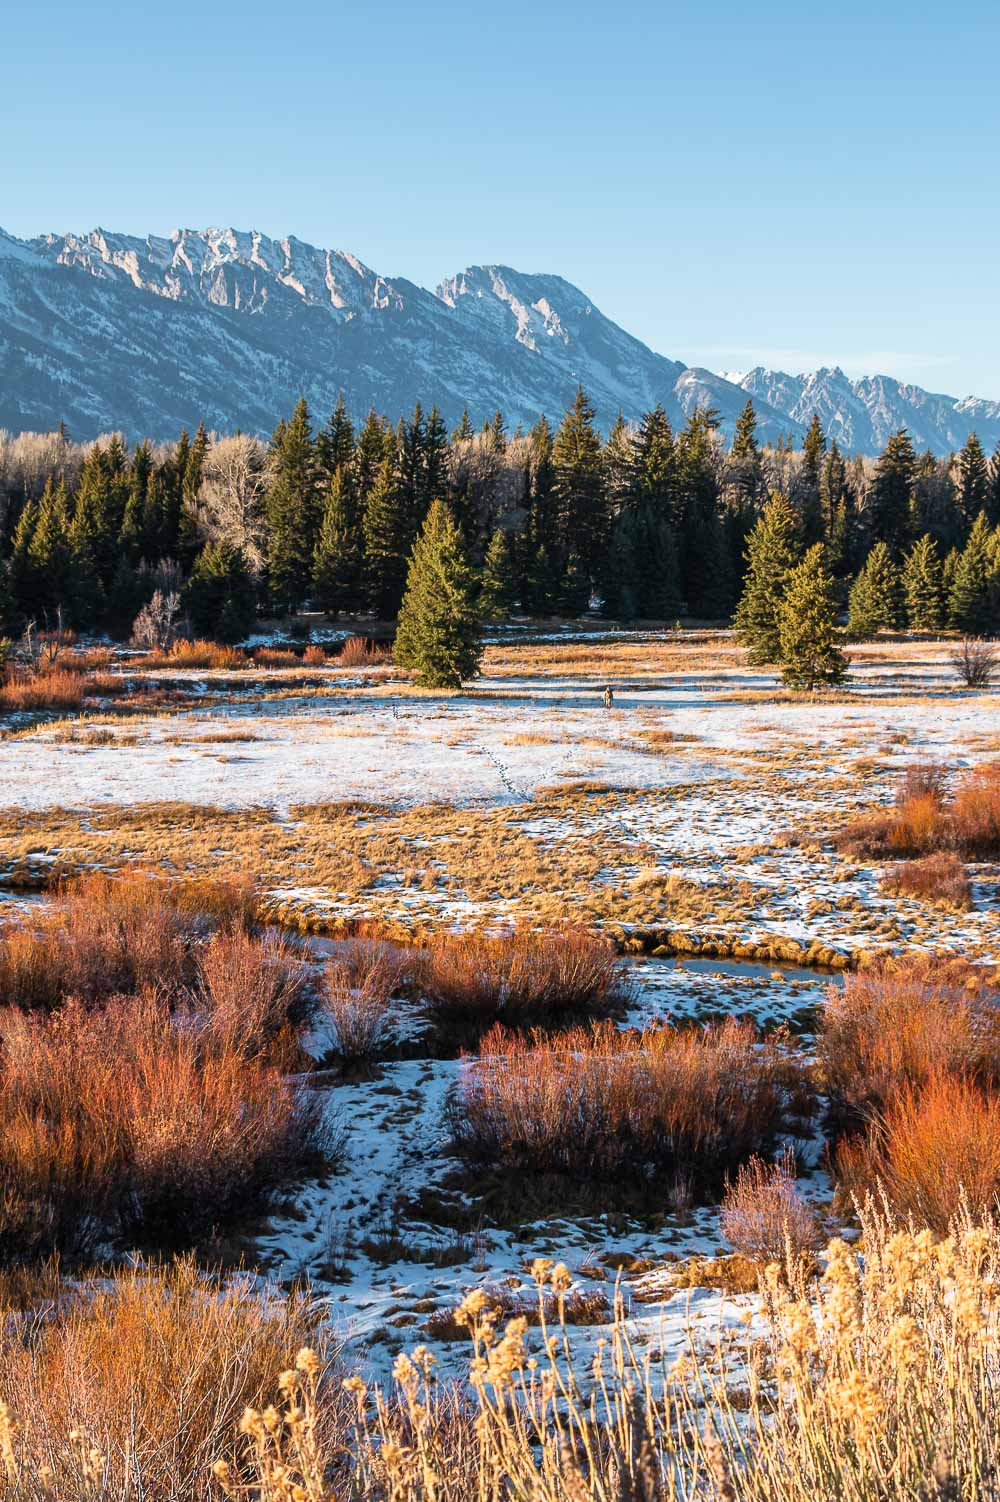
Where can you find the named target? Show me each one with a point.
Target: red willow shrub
(935, 878)
(521, 978)
(123, 1122)
(56, 688)
(356, 652)
(932, 1153)
(900, 1022)
(923, 820)
(596, 1103)
(107, 934)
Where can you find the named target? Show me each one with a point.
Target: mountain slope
(114, 331)
(107, 331)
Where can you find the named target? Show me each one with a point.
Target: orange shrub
(56, 688)
(521, 978)
(276, 657)
(902, 1021)
(314, 656)
(976, 813)
(936, 878)
(253, 991)
(105, 934)
(154, 1368)
(923, 820)
(197, 654)
(626, 1106)
(121, 1122)
(933, 1151)
(357, 653)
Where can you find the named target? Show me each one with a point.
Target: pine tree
(922, 586)
(579, 484)
(336, 568)
(219, 596)
(335, 442)
(993, 499)
(813, 450)
(291, 511)
(464, 430)
(744, 469)
(972, 601)
(810, 656)
(891, 495)
(876, 599)
(21, 574)
(706, 578)
(973, 492)
(497, 592)
(439, 636)
(384, 562)
(773, 550)
(51, 557)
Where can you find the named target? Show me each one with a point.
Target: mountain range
(109, 331)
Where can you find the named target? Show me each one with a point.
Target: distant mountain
(862, 414)
(148, 335)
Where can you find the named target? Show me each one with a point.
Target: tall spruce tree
(291, 509)
(810, 655)
(774, 547)
(439, 636)
(384, 561)
(498, 584)
(876, 598)
(705, 565)
(336, 568)
(335, 443)
(922, 586)
(972, 600)
(579, 484)
(973, 489)
(219, 596)
(891, 496)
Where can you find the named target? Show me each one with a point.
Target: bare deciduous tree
(976, 662)
(231, 504)
(156, 625)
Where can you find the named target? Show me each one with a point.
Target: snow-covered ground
(695, 778)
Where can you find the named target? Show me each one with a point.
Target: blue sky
(780, 184)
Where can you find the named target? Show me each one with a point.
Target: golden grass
(152, 1370)
(876, 1382)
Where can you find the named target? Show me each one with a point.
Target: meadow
(493, 1094)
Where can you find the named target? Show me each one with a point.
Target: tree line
(652, 522)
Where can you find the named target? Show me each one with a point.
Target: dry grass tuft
(153, 1372)
(359, 985)
(765, 1218)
